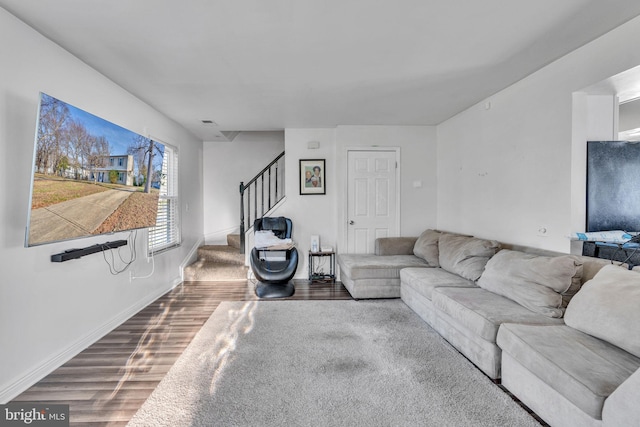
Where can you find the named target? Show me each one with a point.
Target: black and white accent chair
(274, 276)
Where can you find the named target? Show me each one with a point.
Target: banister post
(242, 217)
(269, 186)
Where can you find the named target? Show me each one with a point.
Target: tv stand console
(628, 253)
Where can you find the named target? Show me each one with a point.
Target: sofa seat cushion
(584, 369)
(360, 266)
(482, 312)
(425, 280)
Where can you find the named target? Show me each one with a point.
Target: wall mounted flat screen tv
(613, 186)
(90, 176)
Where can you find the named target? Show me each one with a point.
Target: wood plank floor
(108, 382)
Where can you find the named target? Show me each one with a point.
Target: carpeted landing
(324, 363)
(218, 263)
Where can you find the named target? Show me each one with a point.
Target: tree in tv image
(90, 176)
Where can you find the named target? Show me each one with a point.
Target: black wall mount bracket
(78, 253)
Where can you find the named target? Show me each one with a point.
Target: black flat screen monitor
(613, 186)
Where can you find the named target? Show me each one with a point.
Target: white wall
(630, 115)
(310, 214)
(602, 117)
(506, 166)
(225, 165)
(325, 214)
(418, 162)
(51, 311)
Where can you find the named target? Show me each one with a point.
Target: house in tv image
(122, 164)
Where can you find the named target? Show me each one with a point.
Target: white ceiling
(273, 64)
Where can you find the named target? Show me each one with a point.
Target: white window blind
(166, 233)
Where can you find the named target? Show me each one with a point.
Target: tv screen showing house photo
(90, 176)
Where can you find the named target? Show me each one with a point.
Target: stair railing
(253, 194)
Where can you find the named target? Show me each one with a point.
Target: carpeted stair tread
(221, 253)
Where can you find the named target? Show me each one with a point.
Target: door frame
(344, 212)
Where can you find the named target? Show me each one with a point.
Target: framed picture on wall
(312, 176)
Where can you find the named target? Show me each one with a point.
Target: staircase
(265, 189)
(218, 263)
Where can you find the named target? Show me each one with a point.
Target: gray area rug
(324, 363)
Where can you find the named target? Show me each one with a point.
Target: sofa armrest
(395, 245)
(621, 407)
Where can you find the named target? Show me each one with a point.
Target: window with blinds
(166, 233)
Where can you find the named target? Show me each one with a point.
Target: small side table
(630, 251)
(314, 261)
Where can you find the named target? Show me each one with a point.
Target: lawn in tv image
(90, 176)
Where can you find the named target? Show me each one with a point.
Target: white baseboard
(10, 391)
(191, 257)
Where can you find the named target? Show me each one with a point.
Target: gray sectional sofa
(378, 275)
(561, 332)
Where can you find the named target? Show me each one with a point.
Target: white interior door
(372, 199)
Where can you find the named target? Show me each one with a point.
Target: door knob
(351, 222)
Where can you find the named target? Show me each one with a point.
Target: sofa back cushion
(465, 256)
(426, 247)
(608, 307)
(394, 245)
(540, 283)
